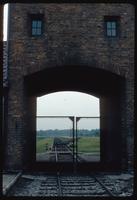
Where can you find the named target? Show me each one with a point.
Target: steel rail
(57, 153)
(103, 185)
(59, 185)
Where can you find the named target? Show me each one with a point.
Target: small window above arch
(112, 26)
(36, 25)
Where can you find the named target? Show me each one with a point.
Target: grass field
(85, 144)
(43, 144)
(89, 144)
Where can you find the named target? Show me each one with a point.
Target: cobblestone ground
(73, 185)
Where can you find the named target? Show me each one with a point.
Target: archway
(68, 128)
(105, 85)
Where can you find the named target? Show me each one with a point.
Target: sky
(70, 103)
(63, 104)
(5, 22)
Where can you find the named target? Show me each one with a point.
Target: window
(36, 25)
(111, 28)
(111, 24)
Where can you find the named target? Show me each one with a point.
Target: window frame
(36, 18)
(112, 19)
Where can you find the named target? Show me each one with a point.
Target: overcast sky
(5, 22)
(67, 104)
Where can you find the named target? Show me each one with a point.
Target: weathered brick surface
(73, 35)
(5, 65)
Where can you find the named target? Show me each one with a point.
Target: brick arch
(81, 78)
(100, 83)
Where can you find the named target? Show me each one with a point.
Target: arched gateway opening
(104, 85)
(68, 128)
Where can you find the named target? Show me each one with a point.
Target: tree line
(67, 132)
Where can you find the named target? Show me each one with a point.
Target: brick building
(78, 47)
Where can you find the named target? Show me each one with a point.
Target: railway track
(82, 186)
(73, 186)
(70, 185)
(60, 185)
(94, 185)
(63, 153)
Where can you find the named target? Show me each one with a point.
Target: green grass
(89, 144)
(43, 144)
(85, 144)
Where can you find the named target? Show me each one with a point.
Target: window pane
(113, 32)
(36, 27)
(109, 25)
(113, 25)
(109, 32)
(38, 31)
(111, 28)
(33, 31)
(34, 23)
(39, 24)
